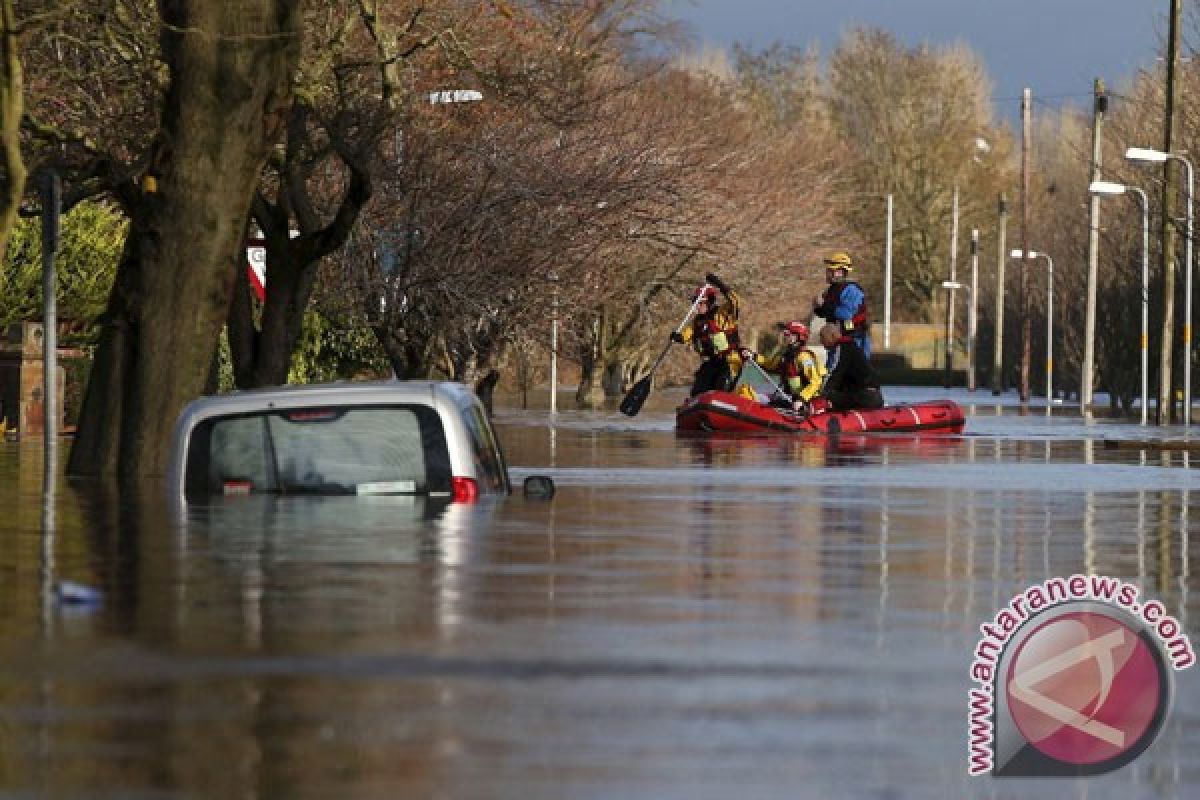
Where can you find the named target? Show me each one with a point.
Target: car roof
(339, 393)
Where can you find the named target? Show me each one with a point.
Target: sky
(1057, 48)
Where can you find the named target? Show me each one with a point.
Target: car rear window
(343, 450)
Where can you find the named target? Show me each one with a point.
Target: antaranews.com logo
(1073, 679)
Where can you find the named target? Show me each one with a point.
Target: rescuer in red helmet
(799, 367)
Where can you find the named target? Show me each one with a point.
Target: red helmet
(795, 327)
(705, 291)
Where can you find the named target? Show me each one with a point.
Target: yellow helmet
(840, 259)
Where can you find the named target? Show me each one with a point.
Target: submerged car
(422, 438)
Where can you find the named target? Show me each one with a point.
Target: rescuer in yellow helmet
(844, 303)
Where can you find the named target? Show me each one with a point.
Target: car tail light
(465, 490)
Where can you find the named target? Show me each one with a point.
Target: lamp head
(1106, 188)
(1146, 154)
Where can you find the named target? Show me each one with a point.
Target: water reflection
(687, 618)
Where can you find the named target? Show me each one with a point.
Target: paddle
(777, 389)
(762, 373)
(636, 396)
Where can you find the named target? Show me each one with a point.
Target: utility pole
(1026, 321)
(1001, 259)
(1169, 191)
(887, 280)
(554, 345)
(950, 293)
(973, 315)
(1099, 106)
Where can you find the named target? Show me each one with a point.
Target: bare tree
(12, 108)
(349, 103)
(490, 200)
(230, 66)
(914, 118)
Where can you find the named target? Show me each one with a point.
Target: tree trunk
(589, 395)
(243, 335)
(393, 348)
(480, 372)
(289, 285)
(613, 380)
(587, 382)
(485, 388)
(12, 106)
(97, 438)
(230, 64)
(291, 267)
(411, 359)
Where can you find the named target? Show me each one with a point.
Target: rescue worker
(844, 303)
(714, 335)
(799, 367)
(852, 383)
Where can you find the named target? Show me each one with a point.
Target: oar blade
(636, 396)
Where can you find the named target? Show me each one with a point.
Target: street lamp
(1109, 188)
(945, 285)
(1049, 318)
(951, 287)
(455, 96)
(973, 314)
(436, 98)
(553, 276)
(981, 148)
(1147, 155)
(887, 279)
(998, 341)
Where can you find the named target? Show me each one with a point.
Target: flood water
(686, 618)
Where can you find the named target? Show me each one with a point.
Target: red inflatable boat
(731, 413)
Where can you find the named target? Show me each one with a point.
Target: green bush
(92, 238)
(333, 349)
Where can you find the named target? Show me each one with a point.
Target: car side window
(486, 448)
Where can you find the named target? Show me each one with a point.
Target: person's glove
(677, 337)
(715, 281)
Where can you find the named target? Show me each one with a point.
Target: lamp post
(952, 287)
(950, 284)
(455, 96)
(553, 276)
(1049, 318)
(981, 149)
(1109, 188)
(887, 279)
(388, 258)
(998, 344)
(1147, 155)
(972, 314)
(51, 196)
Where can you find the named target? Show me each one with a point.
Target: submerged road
(687, 618)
